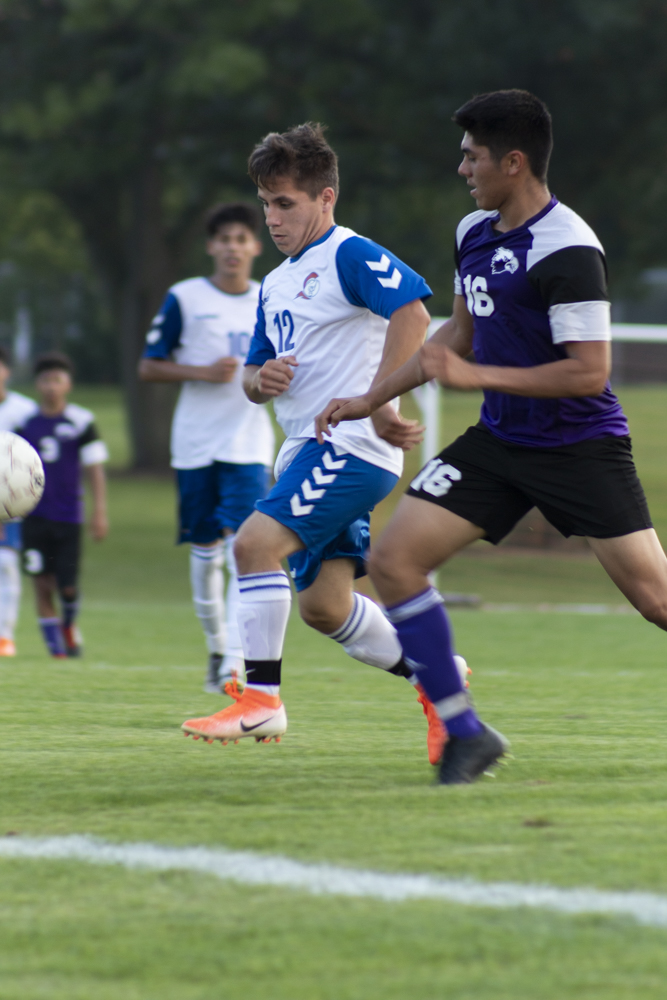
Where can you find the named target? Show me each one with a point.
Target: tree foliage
(134, 116)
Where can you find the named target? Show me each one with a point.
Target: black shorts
(589, 488)
(52, 547)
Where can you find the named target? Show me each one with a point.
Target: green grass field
(93, 746)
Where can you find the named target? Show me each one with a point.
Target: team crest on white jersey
(311, 287)
(503, 260)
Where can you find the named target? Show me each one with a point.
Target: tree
(135, 116)
(123, 111)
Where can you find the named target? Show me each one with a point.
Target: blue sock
(53, 636)
(423, 629)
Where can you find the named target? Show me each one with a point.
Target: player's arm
(456, 333)
(264, 382)
(99, 522)
(405, 335)
(583, 373)
(165, 370)
(93, 454)
(265, 376)
(572, 283)
(163, 338)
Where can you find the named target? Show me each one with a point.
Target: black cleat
(212, 683)
(464, 760)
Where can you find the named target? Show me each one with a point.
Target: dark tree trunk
(149, 271)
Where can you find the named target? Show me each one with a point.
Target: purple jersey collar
(529, 222)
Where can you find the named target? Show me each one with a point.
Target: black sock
(401, 669)
(262, 671)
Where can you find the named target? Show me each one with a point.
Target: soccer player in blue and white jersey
(14, 409)
(221, 444)
(66, 438)
(531, 301)
(341, 311)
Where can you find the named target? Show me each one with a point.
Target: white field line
(330, 880)
(561, 609)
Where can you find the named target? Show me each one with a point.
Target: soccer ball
(21, 477)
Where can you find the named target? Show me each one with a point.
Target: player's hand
(440, 362)
(275, 375)
(353, 408)
(222, 370)
(395, 429)
(99, 526)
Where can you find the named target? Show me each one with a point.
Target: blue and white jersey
(197, 325)
(15, 409)
(530, 291)
(330, 306)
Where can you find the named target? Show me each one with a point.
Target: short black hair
(504, 120)
(234, 211)
(5, 357)
(301, 153)
(52, 361)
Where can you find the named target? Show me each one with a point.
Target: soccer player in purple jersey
(66, 438)
(531, 302)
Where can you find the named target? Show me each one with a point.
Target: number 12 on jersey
(285, 326)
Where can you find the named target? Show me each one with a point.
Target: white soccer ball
(21, 477)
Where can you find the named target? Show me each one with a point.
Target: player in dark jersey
(66, 438)
(531, 301)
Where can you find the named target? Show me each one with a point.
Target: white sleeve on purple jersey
(566, 264)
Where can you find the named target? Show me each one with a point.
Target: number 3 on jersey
(479, 301)
(285, 327)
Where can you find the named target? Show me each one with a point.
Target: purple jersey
(530, 291)
(64, 444)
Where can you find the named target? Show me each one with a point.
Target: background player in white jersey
(14, 409)
(221, 445)
(340, 311)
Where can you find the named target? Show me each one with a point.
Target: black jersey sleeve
(573, 274)
(91, 433)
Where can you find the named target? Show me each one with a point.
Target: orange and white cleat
(7, 647)
(437, 736)
(73, 640)
(252, 714)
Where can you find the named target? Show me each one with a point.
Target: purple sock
(53, 636)
(423, 629)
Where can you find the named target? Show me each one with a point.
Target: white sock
(265, 600)
(10, 591)
(206, 579)
(368, 636)
(233, 647)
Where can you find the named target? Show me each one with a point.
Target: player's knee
(654, 610)
(319, 619)
(382, 564)
(246, 547)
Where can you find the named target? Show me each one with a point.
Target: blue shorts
(217, 496)
(10, 535)
(326, 500)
